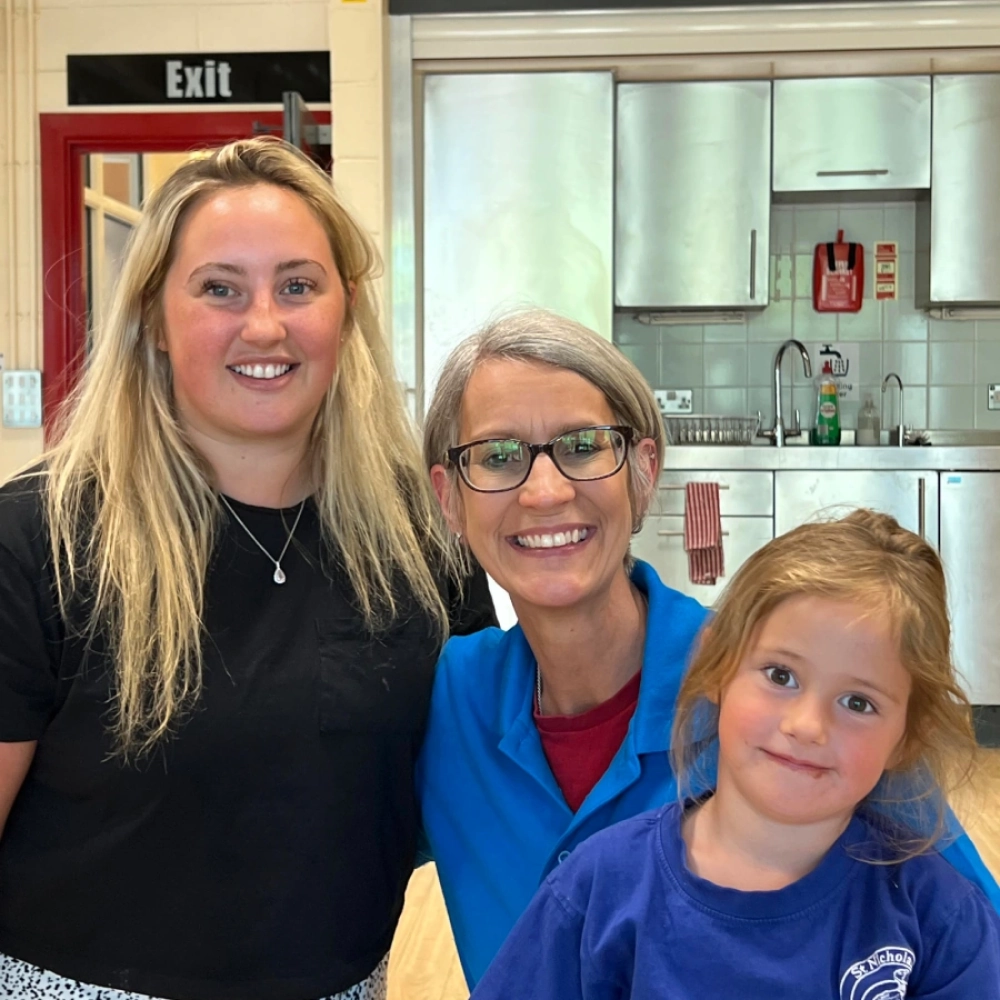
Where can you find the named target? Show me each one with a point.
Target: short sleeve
(27, 616)
(965, 959)
(543, 956)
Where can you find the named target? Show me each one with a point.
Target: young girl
(815, 730)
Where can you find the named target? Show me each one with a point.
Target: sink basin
(963, 439)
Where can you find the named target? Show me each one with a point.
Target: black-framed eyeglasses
(494, 465)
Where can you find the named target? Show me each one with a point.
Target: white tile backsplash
(903, 321)
(863, 325)
(725, 365)
(782, 276)
(807, 324)
(760, 363)
(988, 362)
(803, 275)
(782, 228)
(681, 366)
(863, 224)
(988, 329)
(816, 225)
(772, 323)
(949, 408)
(899, 224)
(951, 363)
(726, 402)
(908, 360)
(725, 333)
(951, 329)
(944, 365)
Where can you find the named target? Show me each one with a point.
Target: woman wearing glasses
(544, 443)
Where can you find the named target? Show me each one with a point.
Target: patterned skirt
(22, 981)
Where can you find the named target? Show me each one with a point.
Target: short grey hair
(538, 335)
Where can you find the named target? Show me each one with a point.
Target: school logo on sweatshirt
(883, 975)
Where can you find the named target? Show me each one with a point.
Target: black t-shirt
(262, 853)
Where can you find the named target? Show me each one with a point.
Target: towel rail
(679, 534)
(722, 486)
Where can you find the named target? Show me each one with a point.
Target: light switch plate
(674, 400)
(993, 400)
(22, 398)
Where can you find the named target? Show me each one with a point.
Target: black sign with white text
(201, 78)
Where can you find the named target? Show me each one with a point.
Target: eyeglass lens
(591, 453)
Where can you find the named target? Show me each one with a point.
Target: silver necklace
(279, 573)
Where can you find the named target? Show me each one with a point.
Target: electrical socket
(22, 398)
(674, 400)
(993, 399)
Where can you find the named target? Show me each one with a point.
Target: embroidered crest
(881, 976)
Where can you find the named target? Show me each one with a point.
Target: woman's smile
(561, 540)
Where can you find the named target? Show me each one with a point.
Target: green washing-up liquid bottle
(827, 429)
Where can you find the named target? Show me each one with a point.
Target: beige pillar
(20, 257)
(358, 41)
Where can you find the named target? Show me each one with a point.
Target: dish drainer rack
(696, 428)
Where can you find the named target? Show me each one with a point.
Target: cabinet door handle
(852, 173)
(680, 534)
(921, 506)
(753, 264)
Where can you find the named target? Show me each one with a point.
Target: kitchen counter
(941, 458)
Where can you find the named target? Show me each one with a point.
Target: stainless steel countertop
(942, 458)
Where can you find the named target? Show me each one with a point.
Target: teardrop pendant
(279, 574)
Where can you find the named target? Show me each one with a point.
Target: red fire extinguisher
(838, 276)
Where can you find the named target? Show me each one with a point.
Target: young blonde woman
(544, 444)
(222, 595)
(815, 732)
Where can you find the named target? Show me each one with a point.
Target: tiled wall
(945, 365)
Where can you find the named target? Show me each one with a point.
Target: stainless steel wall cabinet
(961, 225)
(852, 134)
(693, 195)
(517, 202)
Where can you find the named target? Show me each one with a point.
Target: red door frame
(65, 138)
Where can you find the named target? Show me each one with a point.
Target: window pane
(121, 178)
(116, 234)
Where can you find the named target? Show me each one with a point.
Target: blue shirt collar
(663, 649)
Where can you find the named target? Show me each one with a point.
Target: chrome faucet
(778, 434)
(885, 384)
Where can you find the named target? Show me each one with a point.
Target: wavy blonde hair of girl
(865, 558)
(131, 505)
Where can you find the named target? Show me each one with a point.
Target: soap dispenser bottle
(869, 425)
(827, 429)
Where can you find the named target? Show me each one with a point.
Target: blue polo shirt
(496, 821)
(494, 817)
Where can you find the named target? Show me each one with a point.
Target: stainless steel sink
(963, 439)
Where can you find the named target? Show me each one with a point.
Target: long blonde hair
(131, 505)
(868, 559)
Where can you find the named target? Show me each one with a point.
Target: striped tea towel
(703, 532)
